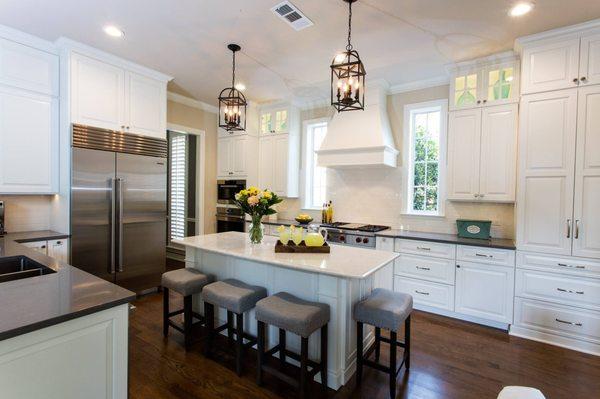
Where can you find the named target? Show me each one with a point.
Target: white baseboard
(557, 340)
(464, 317)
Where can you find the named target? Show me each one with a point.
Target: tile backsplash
(26, 213)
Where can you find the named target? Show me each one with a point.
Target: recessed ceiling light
(520, 9)
(113, 31)
(240, 86)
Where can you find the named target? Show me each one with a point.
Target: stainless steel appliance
(119, 206)
(226, 190)
(2, 232)
(230, 219)
(355, 234)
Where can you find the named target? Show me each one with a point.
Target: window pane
(472, 81)
(419, 199)
(431, 201)
(432, 174)
(177, 190)
(459, 83)
(316, 177)
(420, 150)
(419, 179)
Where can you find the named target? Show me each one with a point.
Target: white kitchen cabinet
(384, 243)
(589, 59)
(279, 164)
(28, 68)
(275, 119)
(38, 246)
(265, 161)
(586, 225)
(482, 154)
(485, 291)
(145, 105)
(29, 141)
(112, 97)
(232, 156)
(59, 249)
(548, 123)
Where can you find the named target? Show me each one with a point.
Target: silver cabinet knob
(576, 81)
(583, 79)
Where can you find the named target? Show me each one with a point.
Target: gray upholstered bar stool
(186, 282)
(388, 310)
(236, 297)
(290, 313)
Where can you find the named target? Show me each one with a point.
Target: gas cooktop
(356, 234)
(371, 228)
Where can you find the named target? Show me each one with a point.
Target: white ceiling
(399, 40)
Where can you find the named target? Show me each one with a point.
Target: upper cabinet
(110, 96)
(235, 156)
(560, 63)
(29, 118)
(277, 119)
(490, 81)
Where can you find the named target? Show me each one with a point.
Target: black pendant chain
(349, 45)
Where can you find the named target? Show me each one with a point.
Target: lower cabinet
(426, 293)
(57, 249)
(485, 291)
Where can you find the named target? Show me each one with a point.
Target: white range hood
(360, 138)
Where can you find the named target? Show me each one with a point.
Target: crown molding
(549, 34)
(27, 39)
(190, 102)
(419, 84)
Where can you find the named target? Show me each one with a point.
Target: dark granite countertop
(34, 303)
(500, 243)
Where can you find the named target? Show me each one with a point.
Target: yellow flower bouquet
(257, 203)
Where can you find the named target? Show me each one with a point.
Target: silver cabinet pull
(576, 228)
(571, 266)
(575, 80)
(569, 323)
(424, 248)
(120, 224)
(570, 291)
(422, 268)
(583, 79)
(422, 292)
(475, 195)
(484, 255)
(113, 223)
(568, 228)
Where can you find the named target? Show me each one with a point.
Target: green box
(468, 228)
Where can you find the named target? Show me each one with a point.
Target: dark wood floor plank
(450, 359)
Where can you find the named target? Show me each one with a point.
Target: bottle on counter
(324, 213)
(330, 212)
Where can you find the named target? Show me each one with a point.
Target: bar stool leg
(209, 315)
(282, 346)
(165, 312)
(393, 340)
(187, 320)
(304, 367)
(377, 343)
(359, 352)
(324, 340)
(239, 342)
(260, 346)
(230, 327)
(407, 342)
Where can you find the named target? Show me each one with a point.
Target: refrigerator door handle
(120, 224)
(112, 224)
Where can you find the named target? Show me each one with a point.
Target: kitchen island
(340, 279)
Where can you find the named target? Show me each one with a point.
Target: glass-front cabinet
(274, 120)
(484, 82)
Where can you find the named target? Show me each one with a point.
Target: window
(315, 176)
(425, 154)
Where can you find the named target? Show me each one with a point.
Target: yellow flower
(253, 190)
(244, 192)
(267, 194)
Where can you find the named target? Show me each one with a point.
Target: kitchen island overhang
(339, 279)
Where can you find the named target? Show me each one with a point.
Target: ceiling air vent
(292, 15)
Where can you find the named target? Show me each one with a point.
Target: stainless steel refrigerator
(119, 207)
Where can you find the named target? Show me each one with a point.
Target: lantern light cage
(232, 102)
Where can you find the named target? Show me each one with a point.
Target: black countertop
(501, 243)
(34, 303)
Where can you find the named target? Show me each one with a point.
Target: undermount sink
(20, 267)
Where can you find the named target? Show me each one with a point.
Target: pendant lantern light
(232, 103)
(348, 75)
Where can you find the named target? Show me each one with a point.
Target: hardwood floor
(450, 359)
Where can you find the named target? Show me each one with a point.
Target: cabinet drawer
(500, 257)
(558, 319)
(435, 249)
(384, 243)
(569, 290)
(426, 293)
(564, 265)
(425, 267)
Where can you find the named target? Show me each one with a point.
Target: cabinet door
(239, 155)
(550, 66)
(97, 93)
(498, 153)
(465, 89)
(280, 169)
(586, 236)
(282, 121)
(589, 59)
(28, 68)
(58, 249)
(546, 172)
(38, 246)
(485, 291)
(464, 134)
(28, 142)
(266, 123)
(266, 162)
(501, 83)
(145, 106)
(224, 156)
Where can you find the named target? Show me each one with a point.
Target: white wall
(27, 212)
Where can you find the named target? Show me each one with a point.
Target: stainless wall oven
(226, 190)
(229, 219)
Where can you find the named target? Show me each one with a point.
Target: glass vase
(256, 230)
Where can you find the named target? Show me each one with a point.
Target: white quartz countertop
(343, 261)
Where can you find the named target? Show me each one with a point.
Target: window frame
(410, 110)
(307, 171)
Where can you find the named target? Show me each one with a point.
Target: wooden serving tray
(292, 248)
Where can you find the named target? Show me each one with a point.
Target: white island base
(314, 277)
